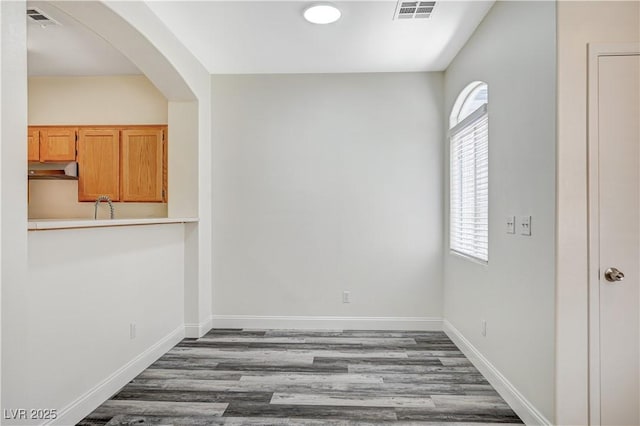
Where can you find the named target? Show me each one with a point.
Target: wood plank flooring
(276, 377)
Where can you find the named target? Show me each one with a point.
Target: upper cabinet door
(142, 165)
(33, 142)
(98, 164)
(58, 144)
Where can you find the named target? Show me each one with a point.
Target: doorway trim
(595, 51)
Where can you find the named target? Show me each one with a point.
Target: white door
(615, 205)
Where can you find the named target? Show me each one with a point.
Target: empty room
(320, 213)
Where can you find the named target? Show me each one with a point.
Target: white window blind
(469, 186)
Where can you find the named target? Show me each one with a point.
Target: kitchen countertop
(49, 224)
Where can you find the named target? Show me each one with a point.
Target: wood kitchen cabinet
(142, 165)
(98, 163)
(33, 142)
(127, 163)
(57, 144)
(52, 144)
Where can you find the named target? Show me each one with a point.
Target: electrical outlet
(525, 225)
(483, 328)
(511, 224)
(132, 330)
(346, 297)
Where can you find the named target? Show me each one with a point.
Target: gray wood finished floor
(275, 377)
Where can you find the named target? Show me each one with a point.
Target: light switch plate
(525, 225)
(511, 224)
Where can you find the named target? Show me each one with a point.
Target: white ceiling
(249, 37)
(231, 37)
(70, 48)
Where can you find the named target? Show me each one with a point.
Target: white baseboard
(197, 330)
(327, 322)
(523, 408)
(78, 409)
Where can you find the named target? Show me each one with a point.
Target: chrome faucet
(102, 198)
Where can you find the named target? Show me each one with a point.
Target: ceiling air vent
(414, 9)
(36, 15)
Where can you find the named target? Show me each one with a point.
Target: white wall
(13, 186)
(133, 29)
(176, 72)
(579, 23)
(325, 183)
(58, 199)
(513, 50)
(183, 159)
(197, 155)
(122, 99)
(96, 100)
(85, 286)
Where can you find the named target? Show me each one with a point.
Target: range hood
(63, 171)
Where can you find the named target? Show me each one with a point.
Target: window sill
(469, 258)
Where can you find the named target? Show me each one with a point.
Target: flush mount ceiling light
(322, 13)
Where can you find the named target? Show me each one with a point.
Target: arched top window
(469, 173)
(470, 99)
